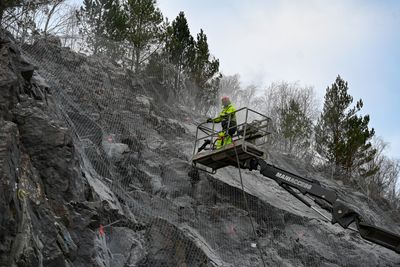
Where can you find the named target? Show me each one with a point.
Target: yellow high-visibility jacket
(225, 113)
(222, 140)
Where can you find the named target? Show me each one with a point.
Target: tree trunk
(1, 13)
(49, 17)
(98, 34)
(132, 58)
(176, 82)
(95, 47)
(137, 60)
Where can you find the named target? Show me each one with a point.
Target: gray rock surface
(94, 172)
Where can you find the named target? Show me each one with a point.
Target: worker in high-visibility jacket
(227, 118)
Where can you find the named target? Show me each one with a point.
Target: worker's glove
(210, 120)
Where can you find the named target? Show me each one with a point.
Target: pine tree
(144, 21)
(343, 137)
(115, 25)
(203, 67)
(295, 128)
(180, 46)
(192, 58)
(92, 16)
(103, 23)
(359, 150)
(115, 21)
(204, 71)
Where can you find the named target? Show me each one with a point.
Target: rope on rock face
(246, 204)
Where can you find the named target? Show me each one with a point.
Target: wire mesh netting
(135, 147)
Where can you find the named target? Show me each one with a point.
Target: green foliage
(129, 31)
(95, 17)
(143, 29)
(192, 60)
(179, 44)
(204, 71)
(203, 67)
(115, 21)
(179, 47)
(342, 136)
(295, 127)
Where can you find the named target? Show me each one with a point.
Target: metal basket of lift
(251, 131)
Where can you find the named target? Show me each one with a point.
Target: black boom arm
(328, 200)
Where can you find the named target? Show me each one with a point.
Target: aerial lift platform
(246, 151)
(251, 128)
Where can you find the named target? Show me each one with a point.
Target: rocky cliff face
(94, 172)
(40, 172)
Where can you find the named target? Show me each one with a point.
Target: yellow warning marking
(21, 193)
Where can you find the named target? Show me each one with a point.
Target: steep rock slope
(94, 172)
(39, 170)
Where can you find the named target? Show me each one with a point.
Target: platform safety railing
(250, 125)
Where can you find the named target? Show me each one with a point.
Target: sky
(310, 42)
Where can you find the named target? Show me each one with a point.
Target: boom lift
(244, 152)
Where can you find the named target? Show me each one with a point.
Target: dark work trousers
(232, 127)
